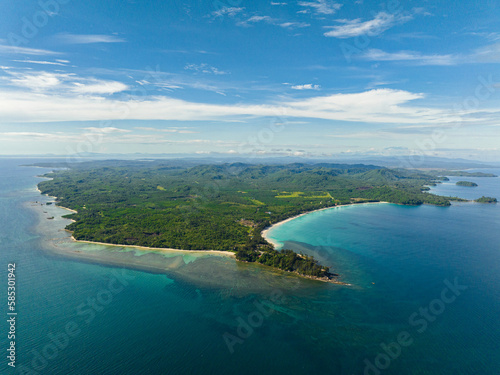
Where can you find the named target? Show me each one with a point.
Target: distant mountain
(411, 162)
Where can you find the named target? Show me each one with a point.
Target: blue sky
(313, 78)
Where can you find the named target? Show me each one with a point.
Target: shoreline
(55, 201)
(166, 249)
(152, 249)
(62, 245)
(265, 232)
(222, 253)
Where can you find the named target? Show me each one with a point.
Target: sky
(304, 78)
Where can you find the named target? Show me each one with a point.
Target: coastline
(175, 261)
(265, 232)
(63, 244)
(221, 253)
(156, 249)
(196, 268)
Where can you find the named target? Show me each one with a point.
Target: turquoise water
(171, 315)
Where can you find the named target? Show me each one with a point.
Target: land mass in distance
(466, 183)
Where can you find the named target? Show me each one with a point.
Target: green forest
(167, 204)
(484, 199)
(466, 183)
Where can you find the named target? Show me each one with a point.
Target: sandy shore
(69, 209)
(156, 249)
(265, 232)
(217, 252)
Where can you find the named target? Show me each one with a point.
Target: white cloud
(246, 20)
(88, 38)
(321, 6)
(293, 25)
(37, 82)
(106, 130)
(308, 86)
(417, 57)
(483, 55)
(168, 86)
(493, 36)
(227, 11)
(6, 49)
(62, 83)
(104, 136)
(180, 130)
(257, 19)
(37, 136)
(487, 54)
(163, 85)
(204, 68)
(272, 21)
(373, 106)
(260, 19)
(99, 87)
(376, 26)
(57, 62)
(422, 11)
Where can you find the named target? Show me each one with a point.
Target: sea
(421, 294)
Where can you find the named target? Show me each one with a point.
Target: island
(484, 199)
(189, 206)
(466, 183)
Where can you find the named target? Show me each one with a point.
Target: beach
(265, 232)
(156, 249)
(41, 208)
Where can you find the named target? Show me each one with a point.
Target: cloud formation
(308, 86)
(322, 7)
(60, 63)
(373, 106)
(15, 50)
(272, 21)
(227, 11)
(380, 23)
(87, 38)
(416, 57)
(482, 55)
(204, 68)
(61, 83)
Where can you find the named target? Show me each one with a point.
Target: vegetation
(220, 207)
(461, 173)
(466, 183)
(257, 249)
(484, 199)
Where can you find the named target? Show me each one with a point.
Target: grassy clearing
(301, 194)
(285, 194)
(257, 202)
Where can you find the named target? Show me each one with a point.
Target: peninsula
(224, 207)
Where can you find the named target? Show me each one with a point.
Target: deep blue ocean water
(428, 276)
